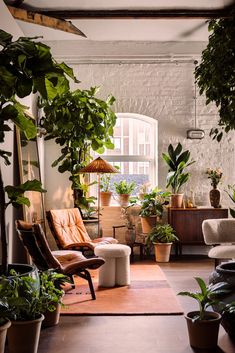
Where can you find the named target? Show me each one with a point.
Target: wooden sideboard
(187, 223)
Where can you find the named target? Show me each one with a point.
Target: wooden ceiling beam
(139, 14)
(44, 20)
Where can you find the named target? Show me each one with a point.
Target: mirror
(29, 168)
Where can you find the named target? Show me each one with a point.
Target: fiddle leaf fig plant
(78, 121)
(215, 75)
(26, 66)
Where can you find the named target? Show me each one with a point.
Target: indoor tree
(79, 121)
(26, 66)
(215, 75)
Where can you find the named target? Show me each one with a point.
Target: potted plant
(203, 325)
(177, 161)
(4, 322)
(50, 289)
(228, 318)
(124, 190)
(27, 67)
(78, 121)
(151, 207)
(105, 193)
(162, 237)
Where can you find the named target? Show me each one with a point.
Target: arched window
(136, 144)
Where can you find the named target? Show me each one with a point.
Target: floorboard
(148, 334)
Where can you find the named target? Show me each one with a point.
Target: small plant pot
(3, 332)
(177, 200)
(162, 252)
(23, 336)
(123, 200)
(203, 334)
(105, 198)
(52, 318)
(148, 223)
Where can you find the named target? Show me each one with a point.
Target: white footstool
(116, 270)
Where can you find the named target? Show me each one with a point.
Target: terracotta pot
(52, 317)
(3, 333)
(203, 334)
(215, 197)
(162, 252)
(105, 198)
(123, 199)
(148, 223)
(177, 200)
(23, 336)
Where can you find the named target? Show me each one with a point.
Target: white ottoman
(116, 270)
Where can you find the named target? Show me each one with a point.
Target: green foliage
(162, 234)
(152, 204)
(16, 193)
(105, 182)
(21, 299)
(177, 162)
(231, 194)
(26, 66)
(78, 121)
(123, 187)
(215, 75)
(207, 296)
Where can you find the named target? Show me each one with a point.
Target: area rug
(148, 294)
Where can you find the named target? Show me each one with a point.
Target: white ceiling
(126, 29)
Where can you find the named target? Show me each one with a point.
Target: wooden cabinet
(187, 223)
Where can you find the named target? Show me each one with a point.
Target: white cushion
(112, 250)
(222, 252)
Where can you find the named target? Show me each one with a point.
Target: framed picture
(29, 169)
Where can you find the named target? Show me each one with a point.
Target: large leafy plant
(26, 66)
(123, 187)
(215, 75)
(177, 161)
(162, 234)
(79, 121)
(208, 295)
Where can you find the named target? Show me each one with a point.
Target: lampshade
(99, 166)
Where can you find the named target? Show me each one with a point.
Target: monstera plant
(215, 75)
(79, 121)
(26, 66)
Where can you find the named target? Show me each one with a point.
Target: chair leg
(85, 274)
(72, 281)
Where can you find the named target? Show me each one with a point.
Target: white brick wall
(165, 92)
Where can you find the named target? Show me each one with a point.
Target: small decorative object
(203, 325)
(215, 175)
(124, 190)
(177, 161)
(190, 202)
(162, 237)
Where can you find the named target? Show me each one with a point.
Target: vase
(215, 197)
(177, 200)
(226, 273)
(130, 235)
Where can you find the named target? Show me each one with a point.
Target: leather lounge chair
(67, 262)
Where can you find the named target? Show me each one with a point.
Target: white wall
(164, 91)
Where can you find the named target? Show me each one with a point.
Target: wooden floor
(137, 334)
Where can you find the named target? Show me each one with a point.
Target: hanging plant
(215, 75)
